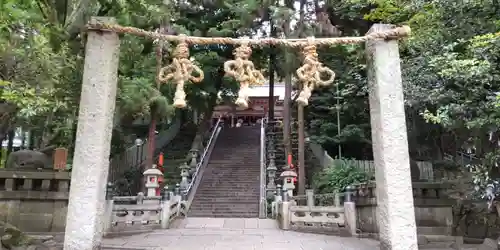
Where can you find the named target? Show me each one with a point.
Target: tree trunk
(10, 145)
(272, 59)
(7, 115)
(288, 88)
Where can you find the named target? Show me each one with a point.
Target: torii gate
(91, 157)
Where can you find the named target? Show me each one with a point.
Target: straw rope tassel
(244, 72)
(309, 74)
(181, 70)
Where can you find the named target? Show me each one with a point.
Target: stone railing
(143, 212)
(33, 200)
(433, 208)
(191, 174)
(337, 217)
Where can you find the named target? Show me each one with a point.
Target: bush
(337, 177)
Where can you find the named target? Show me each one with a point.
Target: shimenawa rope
(395, 33)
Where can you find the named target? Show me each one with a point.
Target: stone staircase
(230, 183)
(176, 152)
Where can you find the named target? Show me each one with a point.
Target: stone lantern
(184, 176)
(288, 176)
(152, 176)
(271, 171)
(194, 158)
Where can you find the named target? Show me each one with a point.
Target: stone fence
(433, 208)
(335, 218)
(37, 201)
(355, 211)
(143, 212)
(34, 200)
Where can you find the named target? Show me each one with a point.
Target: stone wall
(34, 201)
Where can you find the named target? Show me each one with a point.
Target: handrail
(215, 132)
(263, 176)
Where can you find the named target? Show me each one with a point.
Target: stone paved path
(235, 234)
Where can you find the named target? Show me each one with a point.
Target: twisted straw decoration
(181, 70)
(309, 74)
(243, 70)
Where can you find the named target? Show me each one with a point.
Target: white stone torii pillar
(93, 141)
(395, 210)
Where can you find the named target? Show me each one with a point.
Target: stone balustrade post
(87, 199)
(396, 213)
(140, 198)
(284, 211)
(108, 209)
(177, 190)
(165, 208)
(276, 201)
(310, 198)
(177, 198)
(194, 160)
(350, 211)
(336, 199)
(184, 177)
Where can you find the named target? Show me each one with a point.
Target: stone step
(225, 207)
(224, 215)
(214, 213)
(439, 242)
(226, 156)
(222, 198)
(225, 204)
(230, 183)
(203, 195)
(229, 190)
(237, 170)
(227, 186)
(433, 230)
(237, 165)
(244, 178)
(233, 169)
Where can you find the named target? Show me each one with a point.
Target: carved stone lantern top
(288, 174)
(152, 172)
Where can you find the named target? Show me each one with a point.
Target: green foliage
(450, 67)
(41, 60)
(337, 177)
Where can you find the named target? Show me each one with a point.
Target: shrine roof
(263, 91)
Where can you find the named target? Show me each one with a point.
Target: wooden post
(302, 148)
(395, 209)
(60, 159)
(93, 140)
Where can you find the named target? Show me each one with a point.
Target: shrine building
(258, 106)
